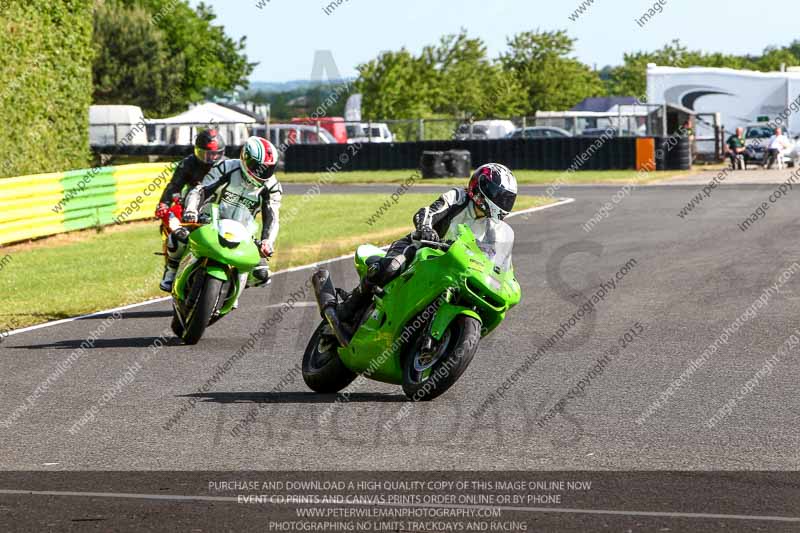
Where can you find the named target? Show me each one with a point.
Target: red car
(334, 125)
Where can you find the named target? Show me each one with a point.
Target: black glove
(426, 234)
(189, 217)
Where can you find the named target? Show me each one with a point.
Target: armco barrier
(48, 204)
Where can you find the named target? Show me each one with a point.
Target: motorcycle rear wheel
(323, 371)
(427, 376)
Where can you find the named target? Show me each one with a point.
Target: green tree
(453, 78)
(630, 78)
(467, 83)
(794, 48)
(202, 55)
(133, 64)
(505, 95)
(396, 85)
(541, 62)
(454, 67)
(773, 58)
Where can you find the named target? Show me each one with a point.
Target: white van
(484, 129)
(376, 132)
(111, 124)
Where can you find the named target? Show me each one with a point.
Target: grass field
(81, 272)
(525, 177)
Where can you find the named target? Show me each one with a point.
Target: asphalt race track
(691, 279)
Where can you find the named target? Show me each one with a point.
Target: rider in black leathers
(209, 149)
(491, 192)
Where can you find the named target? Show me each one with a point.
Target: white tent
(181, 129)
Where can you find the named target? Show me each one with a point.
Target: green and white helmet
(258, 159)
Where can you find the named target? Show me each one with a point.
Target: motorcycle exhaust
(327, 301)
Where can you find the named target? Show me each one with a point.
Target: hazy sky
(284, 35)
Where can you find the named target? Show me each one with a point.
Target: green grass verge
(87, 271)
(525, 177)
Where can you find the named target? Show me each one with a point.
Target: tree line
(537, 71)
(163, 55)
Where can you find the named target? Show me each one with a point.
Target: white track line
(232, 499)
(298, 304)
(561, 201)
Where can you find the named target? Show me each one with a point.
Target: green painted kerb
(89, 198)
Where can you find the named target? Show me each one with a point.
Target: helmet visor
(499, 196)
(208, 156)
(258, 170)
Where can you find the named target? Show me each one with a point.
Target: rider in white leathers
(247, 183)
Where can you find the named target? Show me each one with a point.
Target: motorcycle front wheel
(323, 371)
(429, 374)
(199, 316)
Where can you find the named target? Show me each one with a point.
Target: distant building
(620, 115)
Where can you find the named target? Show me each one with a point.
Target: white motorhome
(740, 97)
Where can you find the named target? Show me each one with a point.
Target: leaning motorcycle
(423, 328)
(208, 282)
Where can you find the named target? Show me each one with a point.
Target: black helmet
(209, 146)
(493, 188)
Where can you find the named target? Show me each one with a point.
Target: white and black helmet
(493, 188)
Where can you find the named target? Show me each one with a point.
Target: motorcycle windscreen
(240, 214)
(496, 239)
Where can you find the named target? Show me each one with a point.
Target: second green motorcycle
(423, 328)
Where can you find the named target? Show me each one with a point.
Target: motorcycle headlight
(228, 240)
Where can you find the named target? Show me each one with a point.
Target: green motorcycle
(422, 329)
(209, 279)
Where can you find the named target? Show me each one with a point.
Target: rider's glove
(190, 217)
(426, 234)
(162, 210)
(266, 250)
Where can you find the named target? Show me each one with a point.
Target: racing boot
(176, 244)
(347, 310)
(169, 277)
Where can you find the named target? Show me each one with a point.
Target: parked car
(376, 132)
(484, 129)
(539, 132)
(333, 125)
(756, 137)
(600, 132)
(288, 134)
